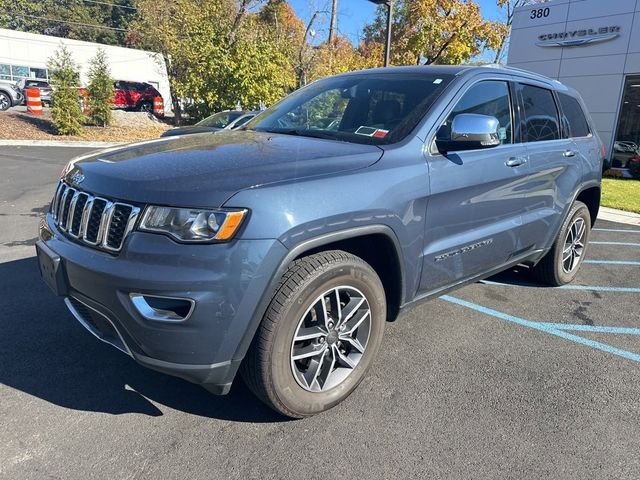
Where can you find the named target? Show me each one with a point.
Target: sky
(354, 14)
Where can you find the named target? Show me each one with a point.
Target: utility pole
(302, 74)
(387, 45)
(332, 26)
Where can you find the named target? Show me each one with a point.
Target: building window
(18, 72)
(5, 71)
(39, 73)
(626, 147)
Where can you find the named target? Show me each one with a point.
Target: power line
(70, 22)
(110, 4)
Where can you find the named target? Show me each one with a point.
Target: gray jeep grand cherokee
(280, 250)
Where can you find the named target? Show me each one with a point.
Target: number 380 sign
(539, 13)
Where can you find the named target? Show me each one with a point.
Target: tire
(5, 101)
(145, 107)
(271, 368)
(554, 269)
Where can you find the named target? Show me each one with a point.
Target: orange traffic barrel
(158, 107)
(34, 103)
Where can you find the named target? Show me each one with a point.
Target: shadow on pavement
(46, 353)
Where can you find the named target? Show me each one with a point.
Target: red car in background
(134, 95)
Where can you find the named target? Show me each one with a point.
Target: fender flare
(297, 251)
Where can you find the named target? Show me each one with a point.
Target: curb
(57, 143)
(619, 216)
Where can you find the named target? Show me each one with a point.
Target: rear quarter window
(573, 118)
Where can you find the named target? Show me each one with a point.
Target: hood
(204, 170)
(189, 130)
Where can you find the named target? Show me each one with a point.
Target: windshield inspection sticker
(437, 81)
(368, 131)
(372, 132)
(380, 133)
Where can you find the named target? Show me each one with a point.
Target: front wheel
(5, 101)
(561, 264)
(319, 336)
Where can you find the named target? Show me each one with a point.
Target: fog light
(162, 309)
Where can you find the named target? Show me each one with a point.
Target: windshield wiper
(301, 132)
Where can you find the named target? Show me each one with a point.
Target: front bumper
(226, 282)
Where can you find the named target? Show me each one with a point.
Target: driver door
(473, 221)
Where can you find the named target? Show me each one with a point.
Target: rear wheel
(561, 264)
(319, 336)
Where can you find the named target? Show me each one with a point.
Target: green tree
(66, 111)
(219, 54)
(436, 31)
(102, 21)
(100, 89)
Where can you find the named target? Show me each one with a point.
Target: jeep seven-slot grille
(95, 221)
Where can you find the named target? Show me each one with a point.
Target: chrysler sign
(575, 38)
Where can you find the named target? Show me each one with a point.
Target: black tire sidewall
(285, 387)
(578, 210)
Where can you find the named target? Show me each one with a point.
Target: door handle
(569, 153)
(515, 161)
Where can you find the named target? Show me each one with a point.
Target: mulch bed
(16, 125)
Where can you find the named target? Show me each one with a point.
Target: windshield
(376, 108)
(219, 120)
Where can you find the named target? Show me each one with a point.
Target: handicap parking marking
(558, 330)
(617, 230)
(619, 244)
(629, 263)
(594, 288)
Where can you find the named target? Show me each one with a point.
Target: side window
(540, 121)
(488, 98)
(573, 119)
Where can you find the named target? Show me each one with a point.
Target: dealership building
(25, 55)
(594, 47)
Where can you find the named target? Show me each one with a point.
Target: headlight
(193, 224)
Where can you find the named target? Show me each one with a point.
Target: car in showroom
(227, 120)
(10, 95)
(280, 251)
(137, 96)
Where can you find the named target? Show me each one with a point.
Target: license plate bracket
(51, 269)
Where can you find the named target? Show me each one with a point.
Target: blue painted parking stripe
(543, 328)
(596, 288)
(618, 230)
(572, 287)
(621, 244)
(612, 262)
(594, 328)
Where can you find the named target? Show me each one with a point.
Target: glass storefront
(627, 145)
(18, 72)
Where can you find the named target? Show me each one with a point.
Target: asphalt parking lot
(502, 379)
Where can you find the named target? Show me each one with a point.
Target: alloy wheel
(330, 339)
(573, 245)
(4, 102)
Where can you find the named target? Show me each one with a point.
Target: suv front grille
(95, 221)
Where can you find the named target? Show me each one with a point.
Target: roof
(456, 70)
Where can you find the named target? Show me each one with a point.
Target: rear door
(554, 170)
(473, 216)
(585, 145)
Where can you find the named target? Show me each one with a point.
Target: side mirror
(469, 131)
